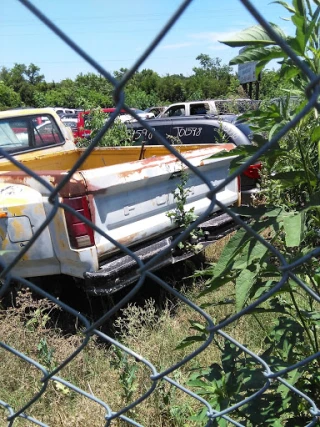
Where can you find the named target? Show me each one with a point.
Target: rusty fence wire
(91, 328)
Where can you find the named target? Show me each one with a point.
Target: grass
(153, 332)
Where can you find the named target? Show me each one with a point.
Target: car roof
(203, 119)
(28, 112)
(104, 110)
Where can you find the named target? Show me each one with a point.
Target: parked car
(127, 118)
(210, 106)
(155, 110)
(63, 110)
(69, 116)
(203, 130)
(124, 117)
(195, 130)
(71, 123)
(81, 131)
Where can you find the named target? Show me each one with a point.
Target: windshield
(27, 132)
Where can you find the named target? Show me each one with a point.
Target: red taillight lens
(80, 126)
(253, 171)
(80, 234)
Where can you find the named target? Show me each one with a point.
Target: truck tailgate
(130, 201)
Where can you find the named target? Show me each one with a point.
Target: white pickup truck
(127, 192)
(210, 106)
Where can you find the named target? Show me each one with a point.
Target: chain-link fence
(158, 376)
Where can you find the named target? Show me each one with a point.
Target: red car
(80, 131)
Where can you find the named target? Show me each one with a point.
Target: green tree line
(25, 86)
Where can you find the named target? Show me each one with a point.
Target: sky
(116, 32)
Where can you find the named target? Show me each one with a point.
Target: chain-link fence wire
(91, 329)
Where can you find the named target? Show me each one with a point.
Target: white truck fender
(21, 214)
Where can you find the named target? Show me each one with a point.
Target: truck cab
(211, 107)
(26, 131)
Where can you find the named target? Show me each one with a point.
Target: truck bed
(128, 201)
(62, 161)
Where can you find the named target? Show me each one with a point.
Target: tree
(119, 74)
(212, 67)
(271, 86)
(211, 79)
(148, 81)
(91, 82)
(33, 75)
(172, 88)
(140, 99)
(23, 80)
(8, 97)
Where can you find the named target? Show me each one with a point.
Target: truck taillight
(253, 171)
(80, 234)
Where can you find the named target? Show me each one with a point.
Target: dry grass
(212, 252)
(152, 333)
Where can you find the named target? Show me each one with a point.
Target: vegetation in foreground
(275, 276)
(39, 329)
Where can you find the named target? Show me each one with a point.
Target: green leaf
(190, 340)
(254, 251)
(293, 227)
(243, 285)
(197, 383)
(199, 417)
(255, 35)
(230, 250)
(197, 326)
(258, 139)
(300, 38)
(288, 71)
(258, 212)
(259, 55)
(299, 8)
(291, 178)
(223, 422)
(285, 5)
(275, 128)
(293, 377)
(312, 315)
(315, 136)
(215, 282)
(314, 201)
(240, 150)
(313, 25)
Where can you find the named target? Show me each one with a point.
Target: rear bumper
(121, 271)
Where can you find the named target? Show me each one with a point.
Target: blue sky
(116, 32)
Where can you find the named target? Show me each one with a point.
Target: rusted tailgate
(130, 201)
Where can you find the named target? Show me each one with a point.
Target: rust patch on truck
(139, 170)
(125, 241)
(200, 155)
(75, 186)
